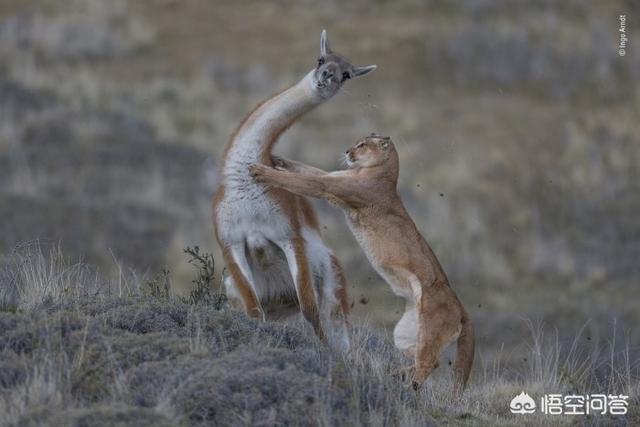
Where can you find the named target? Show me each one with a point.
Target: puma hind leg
(439, 324)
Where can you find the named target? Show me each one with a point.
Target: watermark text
(622, 44)
(572, 404)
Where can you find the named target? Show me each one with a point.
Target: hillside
(77, 349)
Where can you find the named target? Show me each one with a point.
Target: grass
(80, 349)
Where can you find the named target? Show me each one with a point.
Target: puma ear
(324, 44)
(361, 71)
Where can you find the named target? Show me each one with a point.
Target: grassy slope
(77, 349)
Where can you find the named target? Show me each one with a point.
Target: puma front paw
(258, 172)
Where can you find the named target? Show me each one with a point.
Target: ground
(80, 349)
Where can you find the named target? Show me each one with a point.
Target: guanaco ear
(361, 71)
(324, 44)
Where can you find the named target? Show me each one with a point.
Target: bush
(13, 370)
(117, 415)
(148, 316)
(272, 387)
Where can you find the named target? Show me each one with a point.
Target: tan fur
(341, 291)
(434, 317)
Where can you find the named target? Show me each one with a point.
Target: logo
(572, 404)
(522, 404)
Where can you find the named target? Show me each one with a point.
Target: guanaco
(270, 238)
(366, 191)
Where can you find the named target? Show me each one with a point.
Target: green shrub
(203, 291)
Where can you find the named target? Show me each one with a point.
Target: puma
(434, 316)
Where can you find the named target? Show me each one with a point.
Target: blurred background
(517, 124)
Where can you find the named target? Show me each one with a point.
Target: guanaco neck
(256, 135)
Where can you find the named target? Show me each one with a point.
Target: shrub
(270, 387)
(148, 316)
(117, 415)
(13, 370)
(203, 284)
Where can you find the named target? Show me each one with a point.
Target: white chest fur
(247, 212)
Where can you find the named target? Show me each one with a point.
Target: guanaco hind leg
(341, 288)
(340, 311)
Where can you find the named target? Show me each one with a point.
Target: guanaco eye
(346, 76)
(320, 61)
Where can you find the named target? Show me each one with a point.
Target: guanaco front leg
(240, 272)
(295, 252)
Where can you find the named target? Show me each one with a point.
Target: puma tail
(464, 356)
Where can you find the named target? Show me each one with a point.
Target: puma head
(370, 151)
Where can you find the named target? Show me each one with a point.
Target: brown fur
(341, 292)
(367, 193)
(251, 303)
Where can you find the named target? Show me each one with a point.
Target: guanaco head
(333, 70)
(372, 151)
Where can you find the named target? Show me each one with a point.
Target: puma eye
(320, 61)
(346, 76)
